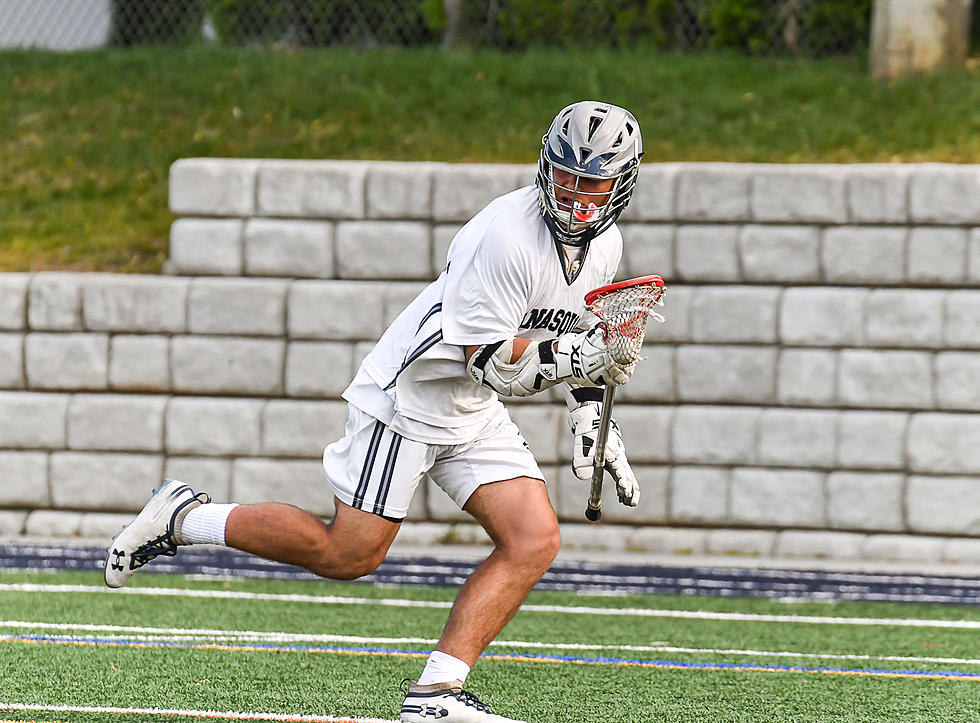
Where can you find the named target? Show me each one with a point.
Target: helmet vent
(594, 124)
(584, 153)
(619, 140)
(564, 127)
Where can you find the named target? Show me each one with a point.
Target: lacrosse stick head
(625, 307)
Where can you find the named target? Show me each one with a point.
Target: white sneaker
(152, 532)
(446, 702)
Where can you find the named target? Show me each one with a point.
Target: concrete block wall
(814, 389)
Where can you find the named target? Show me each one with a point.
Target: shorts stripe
(386, 475)
(372, 452)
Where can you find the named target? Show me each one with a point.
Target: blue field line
(515, 657)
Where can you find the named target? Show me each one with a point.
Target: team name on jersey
(559, 321)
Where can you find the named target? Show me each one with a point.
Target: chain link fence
(809, 28)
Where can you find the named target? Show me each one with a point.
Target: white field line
(112, 633)
(553, 609)
(222, 715)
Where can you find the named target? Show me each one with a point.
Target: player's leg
(521, 522)
(373, 473)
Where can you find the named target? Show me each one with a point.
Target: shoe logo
(436, 711)
(116, 565)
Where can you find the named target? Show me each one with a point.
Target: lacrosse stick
(624, 308)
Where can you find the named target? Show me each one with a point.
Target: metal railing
(785, 27)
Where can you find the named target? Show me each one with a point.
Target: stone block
(213, 427)
(400, 190)
(288, 248)
(102, 526)
(962, 315)
(799, 193)
(647, 249)
(822, 316)
(655, 193)
(662, 540)
(461, 190)
(699, 495)
(904, 318)
(441, 506)
(25, 479)
(442, 238)
(872, 440)
(149, 304)
(645, 429)
(715, 435)
(223, 365)
(945, 194)
(384, 250)
(139, 363)
(301, 429)
(397, 297)
(336, 310)
(677, 316)
(99, 481)
(741, 542)
(318, 369)
(13, 301)
(653, 379)
(958, 380)
(650, 510)
(973, 258)
(363, 348)
(312, 189)
(818, 545)
(865, 501)
(116, 422)
(903, 548)
(877, 193)
(213, 186)
(944, 505)
(731, 374)
(11, 361)
(956, 550)
(937, 255)
(944, 443)
(67, 361)
(886, 379)
(301, 483)
(807, 377)
(734, 314)
(855, 255)
(707, 253)
(777, 498)
(54, 301)
(544, 427)
(237, 306)
(207, 246)
(32, 420)
(12, 523)
(714, 192)
(52, 523)
(798, 438)
(202, 474)
(780, 254)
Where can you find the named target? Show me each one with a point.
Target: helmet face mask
(588, 143)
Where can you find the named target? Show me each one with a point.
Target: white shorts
(377, 470)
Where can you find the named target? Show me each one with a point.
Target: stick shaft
(594, 509)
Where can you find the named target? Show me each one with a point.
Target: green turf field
(71, 650)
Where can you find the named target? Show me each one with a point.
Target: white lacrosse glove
(583, 357)
(583, 420)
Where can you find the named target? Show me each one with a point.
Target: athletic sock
(204, 525)
(442, 668)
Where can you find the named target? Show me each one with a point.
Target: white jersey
(503, 279)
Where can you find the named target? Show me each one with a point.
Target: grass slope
(88, 138)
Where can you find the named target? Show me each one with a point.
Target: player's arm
(518, 367)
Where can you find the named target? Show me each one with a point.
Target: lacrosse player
(506, 318)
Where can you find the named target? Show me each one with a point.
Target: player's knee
(537, 548)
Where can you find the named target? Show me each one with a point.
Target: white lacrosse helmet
(588, 139)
